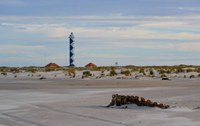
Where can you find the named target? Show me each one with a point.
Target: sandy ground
(73, 102)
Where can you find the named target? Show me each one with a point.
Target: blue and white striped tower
(71, 50)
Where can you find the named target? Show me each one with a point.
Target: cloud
(166, 24)
(189, 46)
(60, 30)
(12, 2)
(189, 8)
(186, 46)
(102, 34)
(19, 55)
(19, 49)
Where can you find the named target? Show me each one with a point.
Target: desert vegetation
(86, 74)
(178, 71)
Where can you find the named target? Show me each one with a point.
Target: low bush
(71, 72)
(15, 70)
(4, 73)
(189, 70)
(113, 73)
(126, 73)
(86, 74)
(163, 75)
(192, 76)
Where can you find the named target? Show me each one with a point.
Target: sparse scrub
(192, 76)
(197, 70)
(113, 73)
(48, 69)
(189, 70)
(179, 70)
(164, 71)
(71, 72)
(142, 71)
(163, 75)
(4, 73)
(134, 69)
(32, 70)
(14, 70)
(86, 74)
(151, 73)
(126, 73)
(102, 73)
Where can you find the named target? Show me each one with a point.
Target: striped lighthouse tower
(71, 50)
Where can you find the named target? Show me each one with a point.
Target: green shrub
(14, 70)
(48, 69)
(102, 73)
(198, 70)
(189, 70)
(86, 74)
(151, 72)
(163, 71)
(126, 73)
(33, 70)
(141, 70)
(71, 72)
(113, 73)
(4, 73)
(192, 76)
(163, 75)
(179, 70)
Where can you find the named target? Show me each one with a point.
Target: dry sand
(73, 102)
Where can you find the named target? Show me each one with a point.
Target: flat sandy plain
(75, 102)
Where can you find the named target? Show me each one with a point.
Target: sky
(130, 32)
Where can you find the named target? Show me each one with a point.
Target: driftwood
(119, 100)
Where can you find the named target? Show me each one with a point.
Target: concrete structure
(71, 50)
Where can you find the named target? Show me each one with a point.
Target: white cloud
(116, 36)
(189, 46)
(189, 8)
(166, 24)
(15, 49)
(12, 2)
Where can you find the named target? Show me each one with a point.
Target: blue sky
(130, 32)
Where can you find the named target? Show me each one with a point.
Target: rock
(165, 78)
(41, 78)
